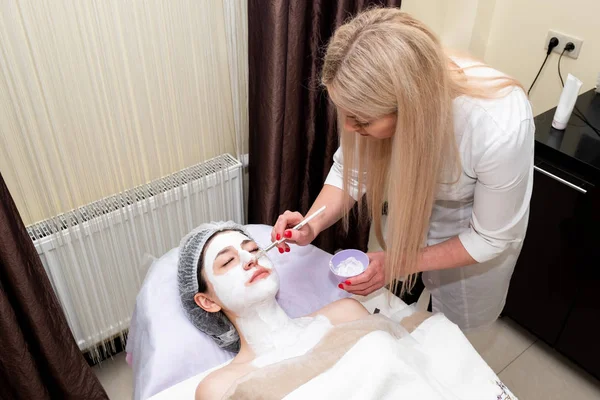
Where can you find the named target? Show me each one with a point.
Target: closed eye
(254, 250)
(230, 260)
(359, 123)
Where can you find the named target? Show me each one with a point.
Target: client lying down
(230, 296)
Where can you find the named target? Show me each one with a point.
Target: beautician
(448, 143)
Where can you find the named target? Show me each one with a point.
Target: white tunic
(487, 209)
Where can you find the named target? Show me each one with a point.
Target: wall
(431, 12)
(510, 34)
(101, 97)
(516, 39)
(454, 21)
(481, 28)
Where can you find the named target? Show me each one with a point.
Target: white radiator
(95, 255)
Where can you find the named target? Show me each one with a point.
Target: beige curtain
(98, 98)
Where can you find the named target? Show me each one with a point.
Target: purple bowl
(345, 254)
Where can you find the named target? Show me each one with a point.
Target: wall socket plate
(563, 39)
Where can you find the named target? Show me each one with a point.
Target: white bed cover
(450, 361)
(388, 304)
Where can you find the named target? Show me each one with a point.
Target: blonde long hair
(384, 61)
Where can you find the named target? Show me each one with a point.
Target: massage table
(170, 356)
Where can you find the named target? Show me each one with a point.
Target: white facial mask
(232, 288)
(267, 329)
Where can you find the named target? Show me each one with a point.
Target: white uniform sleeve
(336, 175)
(502, 194)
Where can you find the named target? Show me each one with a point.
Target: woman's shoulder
(505, 110)
(492, 126)
(502, 114)
(343, 310)
(216, 384)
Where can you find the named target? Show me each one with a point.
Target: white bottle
(566, 103)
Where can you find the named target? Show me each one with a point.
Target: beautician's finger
(290, 235)
(358, 281)
(364, 277)
(283, 248)
(366, 290)
(279, 227)
(299, 236)
(359, 292)
(286, 220)
(363, 292)
(358, 287)
(378, 281)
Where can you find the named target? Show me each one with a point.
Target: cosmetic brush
(295, 228)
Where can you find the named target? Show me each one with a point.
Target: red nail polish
(347, 283)
(287, 249)
(341, 286)
(278, 237)
(280, 249)
(287, 234)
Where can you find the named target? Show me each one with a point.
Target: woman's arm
(500, 203)
(448, 254)
(499, 216)
(332, 196)
(336, 201)
(502, 194)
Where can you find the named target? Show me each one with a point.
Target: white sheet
(435, 362)
(388, 304)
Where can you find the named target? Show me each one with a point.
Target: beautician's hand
(370, 280)
(282, 229)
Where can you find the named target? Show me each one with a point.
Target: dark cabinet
(555, 288)
(579, 337)
(542, 289)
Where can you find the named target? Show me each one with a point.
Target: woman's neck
(265, 327)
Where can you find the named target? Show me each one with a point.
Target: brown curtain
(39, 358)
(293, 132)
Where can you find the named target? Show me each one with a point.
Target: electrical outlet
(563, 39)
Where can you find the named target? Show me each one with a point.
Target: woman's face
(379, 128)
(237, 279)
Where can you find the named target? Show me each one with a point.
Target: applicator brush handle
(297, 227)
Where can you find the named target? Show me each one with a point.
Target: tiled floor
(542, 373)
(502, 344)
(117, 377)
(528, 367)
